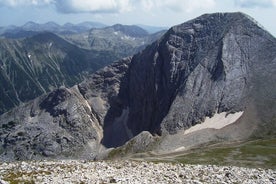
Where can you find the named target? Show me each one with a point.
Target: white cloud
(177, 5)
(92, 6)
(114, 6)
(75, 6)
(147, 5)
(255, 3)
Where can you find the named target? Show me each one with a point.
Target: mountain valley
(207, 81)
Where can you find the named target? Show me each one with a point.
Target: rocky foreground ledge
(68, 171)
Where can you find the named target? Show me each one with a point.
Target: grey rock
(61, 128)
(127, 171)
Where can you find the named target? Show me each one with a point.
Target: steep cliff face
(211, 78)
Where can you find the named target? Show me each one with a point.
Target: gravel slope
(73, 171)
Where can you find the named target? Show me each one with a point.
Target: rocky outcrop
(60, 123)
(217, 70)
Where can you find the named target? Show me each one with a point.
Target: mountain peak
(218, 22)
(130, 30)
(29, 25)
(51, 24)
(224, 15)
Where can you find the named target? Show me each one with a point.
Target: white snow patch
(115, 32)
(125, 37)
(218, 121)
(181, 148)
(29, 56)
(87, 105)
(50, 45)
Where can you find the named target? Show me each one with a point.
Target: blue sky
(149, 12)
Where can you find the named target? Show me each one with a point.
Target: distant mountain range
(124, 40)
(31, 28)
(37, 58)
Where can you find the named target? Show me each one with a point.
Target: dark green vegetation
(259, 153)
(16, 177)
(39, 64)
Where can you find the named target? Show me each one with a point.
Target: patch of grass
(259, 153)
(17, 177)
(214, 156)
(115, 153)
(121, 151)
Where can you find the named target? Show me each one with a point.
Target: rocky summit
(210, 79)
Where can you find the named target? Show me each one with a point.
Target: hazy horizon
(162, 13)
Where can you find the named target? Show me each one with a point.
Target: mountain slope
(62, 123)
(207, 80)
(41, 63)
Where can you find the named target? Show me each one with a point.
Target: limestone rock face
(212, 64)
(216, 64)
